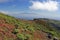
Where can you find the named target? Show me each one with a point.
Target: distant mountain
(50, 22)
(12, 28)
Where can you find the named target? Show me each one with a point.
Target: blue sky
(29, 9)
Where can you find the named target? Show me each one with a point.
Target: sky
(29, 9)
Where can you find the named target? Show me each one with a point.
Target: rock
(49, 36)
(55, 38)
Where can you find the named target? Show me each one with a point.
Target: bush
(23, 36)
(20, 36)
(15, 31)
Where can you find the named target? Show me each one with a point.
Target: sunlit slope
(12, 28)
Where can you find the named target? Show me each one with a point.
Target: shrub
(20, 36)
(15, 31)
(23, 36)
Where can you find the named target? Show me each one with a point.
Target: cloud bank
(49, 5)
(5, 12)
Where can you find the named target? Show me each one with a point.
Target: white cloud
(11, 12)
(49, 5)
(5, 12)
(2, 1)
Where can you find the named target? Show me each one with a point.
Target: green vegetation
(24, 29)
(23, 36)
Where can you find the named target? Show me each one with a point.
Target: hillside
(12, 28)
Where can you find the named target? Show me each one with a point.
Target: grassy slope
(50, 26)
(17, 29)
